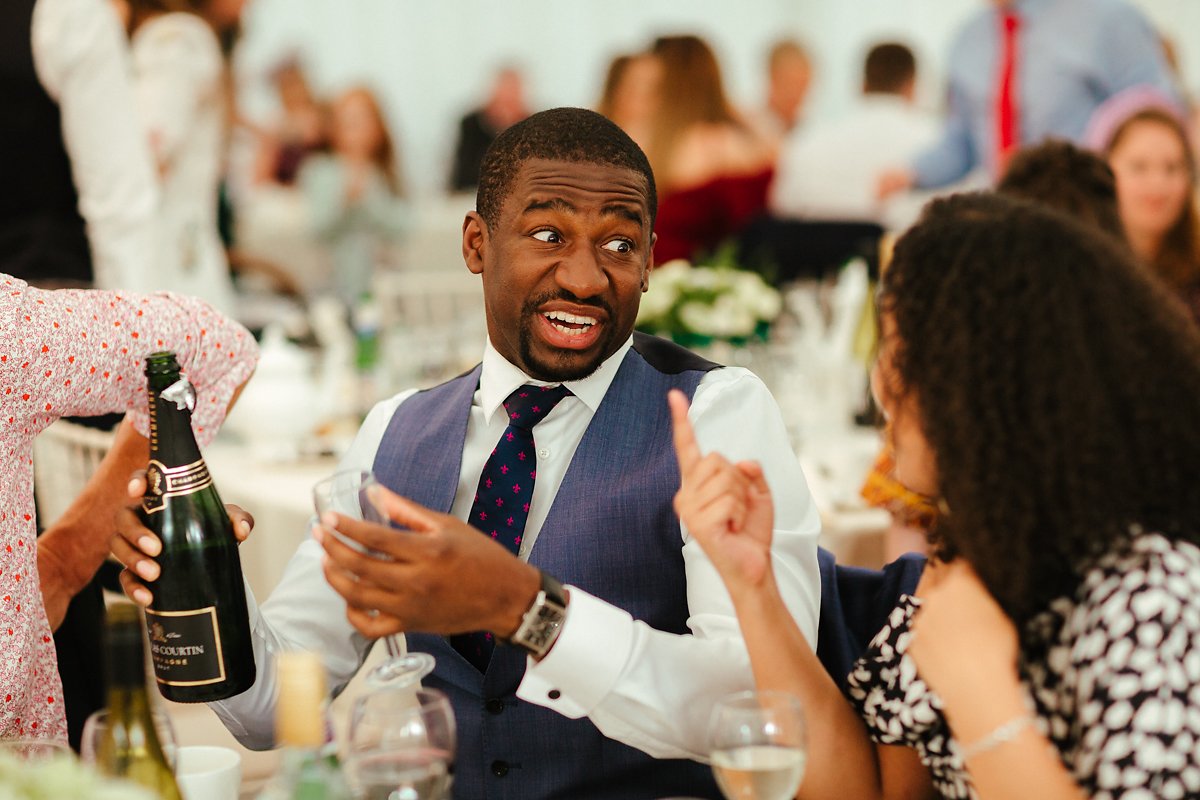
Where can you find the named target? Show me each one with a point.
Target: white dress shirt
(828, 170)
(179, 79)
(82, 59)
(647, 688)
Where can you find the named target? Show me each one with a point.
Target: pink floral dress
(80, 353)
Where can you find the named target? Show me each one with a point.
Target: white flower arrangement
(690, 303)
(60, 777)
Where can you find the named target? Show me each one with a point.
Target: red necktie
(1007, 119)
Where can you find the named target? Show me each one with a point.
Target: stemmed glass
(758, 745)
(401, 744)
(94, 728)
(348, 492)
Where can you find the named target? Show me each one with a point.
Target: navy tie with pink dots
(505, 490)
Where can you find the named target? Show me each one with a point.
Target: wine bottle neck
(172, 442)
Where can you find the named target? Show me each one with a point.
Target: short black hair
(889, 68)
(559, 134)
(1063, 176)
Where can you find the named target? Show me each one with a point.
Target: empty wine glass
(348, 493)
(96, 724)
(758, 745)
(401, 744)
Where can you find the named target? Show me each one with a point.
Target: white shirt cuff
(586, 660)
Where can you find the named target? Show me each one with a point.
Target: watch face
(540, 627)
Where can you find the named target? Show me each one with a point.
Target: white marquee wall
(431, 61)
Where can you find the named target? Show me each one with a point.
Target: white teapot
(276, 412)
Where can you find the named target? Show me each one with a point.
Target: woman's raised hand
(726, 507)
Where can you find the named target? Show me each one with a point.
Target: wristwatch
(543, 621)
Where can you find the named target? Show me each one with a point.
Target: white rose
(697, 318)
(657, 302)
(730, 318)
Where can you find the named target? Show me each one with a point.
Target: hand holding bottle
(136, 546)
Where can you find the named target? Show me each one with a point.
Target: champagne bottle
(129, 746)
(310, 769)
(198, 624)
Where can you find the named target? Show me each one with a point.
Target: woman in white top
(182, 99)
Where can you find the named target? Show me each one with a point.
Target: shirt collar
(499, 378)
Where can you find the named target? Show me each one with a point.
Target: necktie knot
(1011, 22)
(529, 405)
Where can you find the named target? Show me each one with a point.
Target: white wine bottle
(198, 624)
(310, 769)
(129, 746)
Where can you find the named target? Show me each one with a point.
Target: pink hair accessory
(1110, 115)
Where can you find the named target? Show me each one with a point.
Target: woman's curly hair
(1059, 388)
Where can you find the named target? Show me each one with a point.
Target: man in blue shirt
(1064, 59)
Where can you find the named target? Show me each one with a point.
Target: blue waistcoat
(612, 532)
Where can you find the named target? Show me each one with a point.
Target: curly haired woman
(1039, 383)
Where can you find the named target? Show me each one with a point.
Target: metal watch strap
(543, 621)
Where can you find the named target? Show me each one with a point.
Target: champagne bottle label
(186, 647)
(163, 482)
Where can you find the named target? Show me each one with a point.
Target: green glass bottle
(198, 625)
(128, 746)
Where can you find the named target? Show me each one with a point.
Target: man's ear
(649, 263)
(474, 241)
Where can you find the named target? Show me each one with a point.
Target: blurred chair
(789, 249)
(64, 457)
(431, 323)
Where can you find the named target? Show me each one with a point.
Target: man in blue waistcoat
(550, 462)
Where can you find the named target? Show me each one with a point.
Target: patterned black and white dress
(1114, 673)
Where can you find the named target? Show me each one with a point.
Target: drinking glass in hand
(758, 745)
(401, 744)
(349, 493)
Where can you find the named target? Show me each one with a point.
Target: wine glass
(96, 725)
(401, 744)
(758, 745)
(348, 492)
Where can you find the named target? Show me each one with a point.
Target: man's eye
(619, 246)
(547, 236)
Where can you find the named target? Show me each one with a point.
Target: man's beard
(563, 368)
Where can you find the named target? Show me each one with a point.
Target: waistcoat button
(499, 768)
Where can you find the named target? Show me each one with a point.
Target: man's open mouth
(570, 324)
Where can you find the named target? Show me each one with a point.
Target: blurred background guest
(827, 169)
(1023, 70)
(79, 198)
(630, 94)
(505, 106)
(182, 100)
(789, 75)
(1144, 137)
(299, 131)
(712, 169)
(1071, 179)
(354, 192)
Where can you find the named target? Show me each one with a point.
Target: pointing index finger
(687, 450)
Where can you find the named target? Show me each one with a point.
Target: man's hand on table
(136, 546)
(443, 576)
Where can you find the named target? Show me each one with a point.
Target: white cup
(208, 773)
